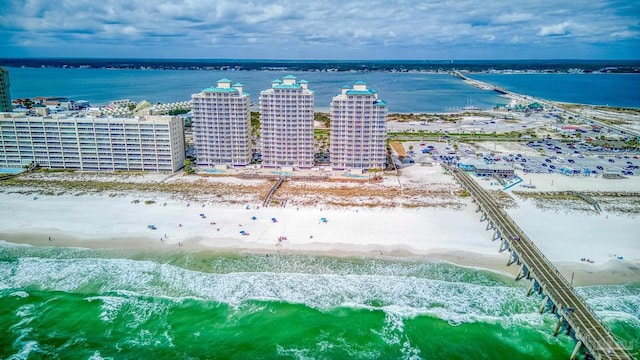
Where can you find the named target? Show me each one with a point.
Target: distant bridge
(574, 316)
(477, 83)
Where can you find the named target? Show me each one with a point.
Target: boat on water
(470, 106)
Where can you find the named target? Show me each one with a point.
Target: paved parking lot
(541, 156)
(577, 158)
(574, 154)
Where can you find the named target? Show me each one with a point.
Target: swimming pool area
(11, 170)
(213, 171)
(354, 176)
(282, 173)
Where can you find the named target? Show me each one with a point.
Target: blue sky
(321, 29)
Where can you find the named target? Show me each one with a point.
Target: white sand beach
(450, 232)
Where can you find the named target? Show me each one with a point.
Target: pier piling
(558, 326)
(524, 273)
(576, 349)
(544, 304)
(504, 246)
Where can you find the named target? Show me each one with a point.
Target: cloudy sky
(322, 29)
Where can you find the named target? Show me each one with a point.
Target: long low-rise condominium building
(152, 143)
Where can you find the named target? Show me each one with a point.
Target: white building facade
(286, 122)
(222, 125)
(154, 143)
(5, 94)
(358, 129)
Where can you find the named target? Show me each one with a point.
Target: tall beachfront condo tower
(222, 125)
(286, 121)
(5, 95)
(151, 143)
(358, 129)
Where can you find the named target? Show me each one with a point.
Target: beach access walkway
(275, 187)
(560, 297)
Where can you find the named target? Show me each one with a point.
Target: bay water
(621, 90)
(404, 92)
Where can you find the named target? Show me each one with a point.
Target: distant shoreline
(428, 66)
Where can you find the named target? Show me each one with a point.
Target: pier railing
(588, 328)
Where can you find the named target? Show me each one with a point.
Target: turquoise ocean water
(80, 303)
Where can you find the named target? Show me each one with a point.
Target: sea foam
(122, 285)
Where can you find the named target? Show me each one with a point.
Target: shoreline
(609, 273)
(273, 65)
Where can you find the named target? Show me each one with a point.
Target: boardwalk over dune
(573, 313)
(275, 187)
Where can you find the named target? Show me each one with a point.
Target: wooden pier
(574, 316)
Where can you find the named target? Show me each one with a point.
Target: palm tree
(188, 167)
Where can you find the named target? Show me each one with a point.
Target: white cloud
(554, 30)
(511, 18)
(252, 28)
(516, 40)
(625, 34)
(129, 30)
